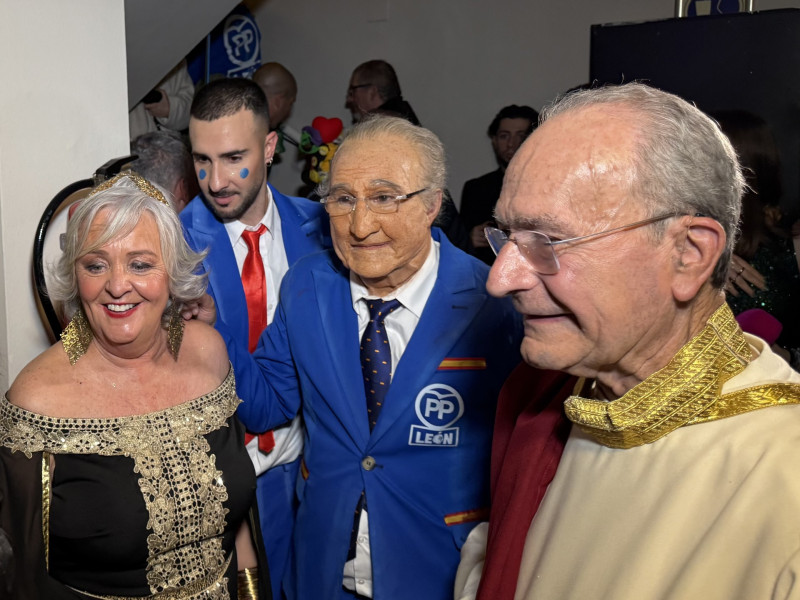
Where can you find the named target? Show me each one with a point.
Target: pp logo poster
(438, 407)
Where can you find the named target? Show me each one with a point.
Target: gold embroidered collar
(685, 392)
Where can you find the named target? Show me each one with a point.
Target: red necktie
(255, 291)
(255, 285)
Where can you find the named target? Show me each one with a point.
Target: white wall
(458, 61)
(63, 113)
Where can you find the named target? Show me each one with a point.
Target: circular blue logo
(439, 406)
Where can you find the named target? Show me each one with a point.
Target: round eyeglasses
(538, 249)
(340, 203)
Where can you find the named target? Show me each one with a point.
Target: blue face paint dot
(202, 174)
(244, 173)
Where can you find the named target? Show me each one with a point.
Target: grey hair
(163, 158)
(685, 164)
(125, 204)
(427, 144)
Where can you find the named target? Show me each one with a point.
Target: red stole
(529, 437)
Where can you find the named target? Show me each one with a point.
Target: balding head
(618, 207)
(280, 87)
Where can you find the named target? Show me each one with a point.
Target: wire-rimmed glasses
(539, 250)
(342, 203)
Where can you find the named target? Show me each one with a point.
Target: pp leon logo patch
(438, 407)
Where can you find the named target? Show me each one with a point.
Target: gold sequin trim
(177, 472)
(685, 392)
(212, 587)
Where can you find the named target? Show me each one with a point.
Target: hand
(743, 277)
(476, 236)
(159, 109)
(203, 309)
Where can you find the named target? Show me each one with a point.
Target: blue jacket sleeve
(266, 381)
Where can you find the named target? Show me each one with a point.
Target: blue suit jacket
(425, 466)
(305, 227)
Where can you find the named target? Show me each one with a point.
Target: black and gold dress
(129, 507)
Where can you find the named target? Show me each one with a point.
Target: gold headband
(142, 183)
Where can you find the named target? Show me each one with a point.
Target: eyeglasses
(339, 204)
(353, 88)
(538, 249)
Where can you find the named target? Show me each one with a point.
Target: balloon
(329, 129)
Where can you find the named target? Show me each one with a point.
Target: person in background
(164, 159)
(652, 452)
(509, 128)
(168, 109)
(252, 233)
(280, 88)
(123, 471)
(765, 246)
(393, 352)
(374, 89)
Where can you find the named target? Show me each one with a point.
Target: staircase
(159, 34)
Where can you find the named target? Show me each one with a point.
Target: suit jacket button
(368, 463)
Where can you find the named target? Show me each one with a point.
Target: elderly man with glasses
(394, 353)
(637, 465)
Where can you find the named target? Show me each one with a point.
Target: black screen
(743, 61)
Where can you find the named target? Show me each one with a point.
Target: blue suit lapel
(223, 273)
(340, 337)
(453, 304)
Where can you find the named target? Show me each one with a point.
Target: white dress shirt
(288, 440)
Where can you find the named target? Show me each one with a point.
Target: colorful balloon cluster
(318, 142)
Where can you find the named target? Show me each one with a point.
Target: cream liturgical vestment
(699, 500)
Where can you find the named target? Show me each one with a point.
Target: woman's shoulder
(203, 347)
(41, 381)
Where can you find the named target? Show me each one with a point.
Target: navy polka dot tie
(376, 357)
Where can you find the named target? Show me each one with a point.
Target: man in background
(164, 159)
(253, 234)
(280, 88)
(509, 128)
(374, 88)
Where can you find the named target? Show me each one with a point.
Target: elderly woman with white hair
(123, 470)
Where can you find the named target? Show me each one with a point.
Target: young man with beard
(253, 233)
